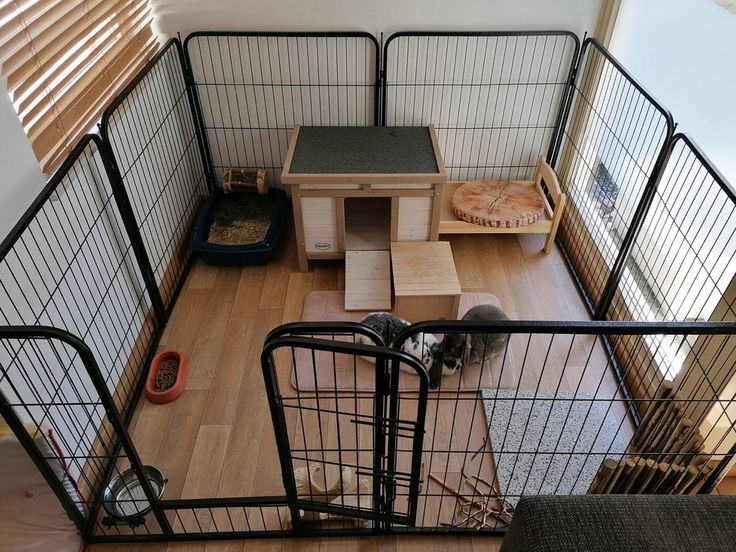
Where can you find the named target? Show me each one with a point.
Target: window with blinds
(62, 61)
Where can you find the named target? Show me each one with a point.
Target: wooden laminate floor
(217, 439)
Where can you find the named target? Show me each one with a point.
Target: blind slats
(9, 8)
(70, 97)
(34, 21)
(44, 69)
(49, 146)
(78, 118)
(36, 54)
(64, 60)
(115, 30)
(38, 11)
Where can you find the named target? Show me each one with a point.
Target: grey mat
(524, 432)
(363, 150)
(629, 523)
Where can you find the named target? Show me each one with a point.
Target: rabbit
(387, 325)
(458, 350)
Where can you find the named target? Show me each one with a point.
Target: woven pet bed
(497, 204)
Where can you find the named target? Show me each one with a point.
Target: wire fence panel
(69, 264)
(683, 261)
(243, 518)
(50, 387)
(608, 153)
(536, 409)
(345, 439)
(494, 98)
(253, 88)
(152, 133)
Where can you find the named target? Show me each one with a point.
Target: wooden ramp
(367, 280)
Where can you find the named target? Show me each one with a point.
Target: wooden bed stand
(545, 177)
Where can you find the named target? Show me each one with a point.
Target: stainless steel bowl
(124, 497)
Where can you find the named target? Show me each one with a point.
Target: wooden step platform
(367, 280)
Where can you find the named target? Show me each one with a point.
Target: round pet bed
(497, 203)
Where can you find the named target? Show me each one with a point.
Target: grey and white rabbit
(458, 350)
(387, 325)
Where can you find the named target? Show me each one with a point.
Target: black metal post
(196, 107)
(565, 104)
(131, 227)
(379, 442)
(642, 209)
(281, 433)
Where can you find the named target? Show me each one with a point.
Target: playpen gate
(328, 471)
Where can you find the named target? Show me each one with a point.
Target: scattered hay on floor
(241, 218)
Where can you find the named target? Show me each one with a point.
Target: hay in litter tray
(166, 375)
(241, 218)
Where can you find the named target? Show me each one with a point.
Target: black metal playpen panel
(253, 88)
(608, 155)
(79, 329)
(158, 154)
(495, 98)
(89, 276)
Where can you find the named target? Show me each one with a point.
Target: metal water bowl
(124, 498)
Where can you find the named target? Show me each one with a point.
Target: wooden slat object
(367, 280)
(637, 475)
(426, 285)
(652, 415)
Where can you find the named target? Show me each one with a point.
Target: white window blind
(62, 61)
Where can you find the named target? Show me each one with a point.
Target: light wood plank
(367, 280)
(205, 466)
(211, 335)
(223, 397)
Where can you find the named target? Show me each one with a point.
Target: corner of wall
(20, 177)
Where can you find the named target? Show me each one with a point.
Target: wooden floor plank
(300, 284)
(225, 388)
(205, 466)
(238, 478)
(212, 330)
(183, 334)
(494, 276)
(203, 276)
(326, 275)
(466, 261)
(150, 428)
(178, 444)
(273, 294)
(217, 437)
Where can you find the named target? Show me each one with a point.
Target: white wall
(374, 16)
(683, 52)
(20, 175)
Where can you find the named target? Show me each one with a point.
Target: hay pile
(241, 218)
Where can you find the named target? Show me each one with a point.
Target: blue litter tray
(238, 255)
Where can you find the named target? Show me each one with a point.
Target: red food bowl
(173, 392)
